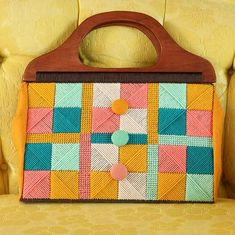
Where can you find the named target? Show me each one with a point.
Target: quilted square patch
(41, 95)
(105, 93)
(67, 120)
(199, 123)
(65, 157)
(68, 95)
(172, 95)
(101, 159)
(104, 121)
(172, 158)
(134, 157)
(199, 188)
(172, 122)
(37, 156)
(199, 96)
(135, 94)
(36, 185)
(39, 120)
(199, 160)
(64, 185)
(171, 186)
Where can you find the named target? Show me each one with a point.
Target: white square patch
(105, 93)
(103, 156)
(134, 121)
(133, 187)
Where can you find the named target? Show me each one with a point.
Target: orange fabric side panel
(19, 129)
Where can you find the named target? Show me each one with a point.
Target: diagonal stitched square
(172, 95)
(133, 187)
(67, 120)
(135, 94)
(36, 184)
(134, 157)
(134, 121)
(172, 121)
(103, 186)
(172, 159)
(104, 120)
(64, 185)
(199, 188)
(105, 93)
(65, 157)
(68, 95)
(171, 186)
(200, 160)
(200, 96)
(103, 156)
(41, 95)
(39, 120)
(37, 156)
(199, 123)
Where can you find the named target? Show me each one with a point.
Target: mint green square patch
(199, 188)
(68, 95)
(172, 95)
(65, 157)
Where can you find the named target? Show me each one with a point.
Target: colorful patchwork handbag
(107, 134)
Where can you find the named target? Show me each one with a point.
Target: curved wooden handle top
(171, 57)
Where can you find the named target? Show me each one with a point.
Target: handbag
(149, 134)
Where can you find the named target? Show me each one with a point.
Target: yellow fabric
(112, 218)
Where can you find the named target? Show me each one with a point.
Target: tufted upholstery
(30, 28)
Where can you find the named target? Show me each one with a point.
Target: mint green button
(120, 138)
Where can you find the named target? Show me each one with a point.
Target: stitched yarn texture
(69, 151)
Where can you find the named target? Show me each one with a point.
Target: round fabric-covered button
(119, 106)
(120, 138)
(118, 172)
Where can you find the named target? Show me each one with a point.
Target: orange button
(119, 106)
(118, 172)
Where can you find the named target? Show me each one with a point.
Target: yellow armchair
(30, 28)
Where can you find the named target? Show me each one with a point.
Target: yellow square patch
(64, 185)
(41, 95)
(134, 157)
(171, 186)
(199, 96)
(103, 186)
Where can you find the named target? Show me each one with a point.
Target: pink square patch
(36, 184)
(199, 123)
(135, 94)
(40, 120)
(104, 120)
(172, 159)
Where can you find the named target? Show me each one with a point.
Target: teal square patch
(67, 120)
(68, 95)
(172, 121)
(37, 156)
(199, 188)
(172, 95)
(199, 160)
(65, 157)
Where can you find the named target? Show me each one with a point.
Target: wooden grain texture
(171, 57)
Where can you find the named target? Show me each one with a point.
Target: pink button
(118, 172)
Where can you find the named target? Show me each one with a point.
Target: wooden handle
(171, 57)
